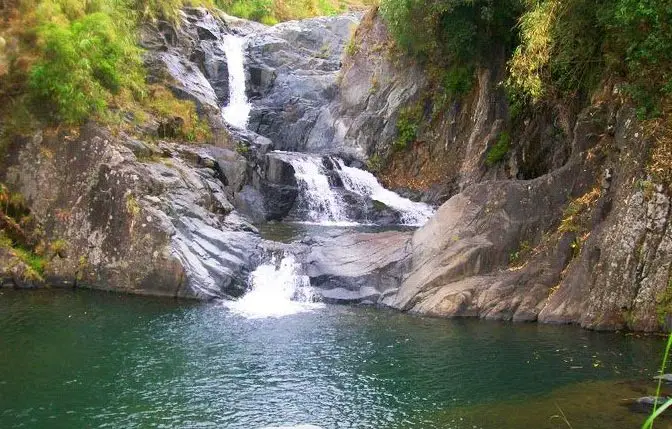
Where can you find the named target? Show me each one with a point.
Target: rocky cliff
(568, 228)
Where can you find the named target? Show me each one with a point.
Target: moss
(36, 263)
(379, 206)
(242, 148)
(374, 163)
(664, 303)
(576, 215)
(499, 150)
(58, 248)
(520, 255)
(132, 206)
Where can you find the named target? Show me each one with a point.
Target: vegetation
(71, 60)
(458, 32)
(407, 126)
(273, 11)
(567, 47)
(499, 150)
(65, 61)
(658, 409)
(576, 215)
(518, 256)
(556, 49)
(20, 238)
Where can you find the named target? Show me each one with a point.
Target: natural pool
(72, 359)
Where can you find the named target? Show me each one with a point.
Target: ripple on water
(142, 362)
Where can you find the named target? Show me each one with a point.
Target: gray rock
(293, 71)
(153, 227)
(363, 268)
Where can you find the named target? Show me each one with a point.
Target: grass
(657, 411)
(577, 212)
(271, 12)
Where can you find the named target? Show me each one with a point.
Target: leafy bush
(453, 31)
(641, 31)
(568, 46)
(458, 80)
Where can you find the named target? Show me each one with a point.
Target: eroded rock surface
(159, 224)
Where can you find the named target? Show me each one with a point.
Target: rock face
(293, 69)
(362, 268)
(158, 224)
(574, 199)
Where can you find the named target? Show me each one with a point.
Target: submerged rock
(646, 404)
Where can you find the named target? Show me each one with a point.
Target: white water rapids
(237, 111)
(276, 289)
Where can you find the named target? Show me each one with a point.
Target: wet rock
(667, 378)
(646, 404)
(363, 268)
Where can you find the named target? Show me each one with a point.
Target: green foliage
(256, 10)
(499, 150)
(351, 47)
(568, 46)
(659, 409)
(81, 65)
(374, 163)
(35, 262)
(242, 148)
(458, 80)
(407, 126)
(270, 12)
(520, 255)
(642, 31)
(664, 303)
(453, 31)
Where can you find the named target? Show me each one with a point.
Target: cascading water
(364, 183)
(321, 203)
(236, 113)
(276, 290)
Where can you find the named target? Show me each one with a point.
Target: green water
(87, 359)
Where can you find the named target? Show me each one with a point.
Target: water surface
(91, 359)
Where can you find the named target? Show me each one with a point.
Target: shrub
(568, 46)
(453, 31)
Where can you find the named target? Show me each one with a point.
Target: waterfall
(321, 203)
(237, 111)
(276, 290)
(364, 183)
